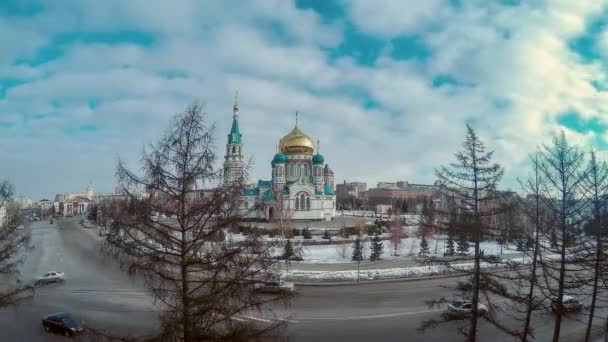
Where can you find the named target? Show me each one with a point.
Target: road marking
(260, 319)
(348, 318)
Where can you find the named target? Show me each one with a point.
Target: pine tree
(449, 246)
(424, 247)
(554, 239)
(357, 250)
(377, 248)
(520, 244)
(326, 235)
(288, 250)
(296, 232)
(529, 242)
(462, 244)
(306, 233)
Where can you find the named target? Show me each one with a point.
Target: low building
(69, 204)
(404, 194)
(3, 216)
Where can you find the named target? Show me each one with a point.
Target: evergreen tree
(520, 244)
(424, 247)
(306, 233)
(554, 240)
(296, 232)
(288, 252)
(326, 235)
(377, 248)
(449, 246)
(529, 242)
(357, 250)
(462, 244)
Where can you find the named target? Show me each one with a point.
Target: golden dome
(296, 142)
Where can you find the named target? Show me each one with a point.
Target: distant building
(2, 215)
(46, 207)
(24, 202)
(351, 195)
(68, 204)
(65, 197)
(354, 189)
(404, 195)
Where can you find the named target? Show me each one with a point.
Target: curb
(396, 280)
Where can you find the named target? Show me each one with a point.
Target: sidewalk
(369, 265)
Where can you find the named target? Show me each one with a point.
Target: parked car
(570, 304)
(62, 323)
(274, 286)
(51, 277)
(462, 310)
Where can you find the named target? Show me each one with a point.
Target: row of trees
(560, 225)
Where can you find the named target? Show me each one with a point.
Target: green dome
(318, 159)
(279, 158)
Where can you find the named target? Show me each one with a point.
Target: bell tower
(233, 161)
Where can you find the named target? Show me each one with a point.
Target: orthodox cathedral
(302, 185)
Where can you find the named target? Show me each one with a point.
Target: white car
(461, 310)
(274, 287)
(51, 277)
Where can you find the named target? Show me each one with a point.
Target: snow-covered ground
(408, 248)
(387, 273)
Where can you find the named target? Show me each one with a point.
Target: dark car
(62, 323)
(569, 304)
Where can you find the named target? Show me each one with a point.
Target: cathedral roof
(296, 142)
(234, 137)
(318, 159)
(279, 158)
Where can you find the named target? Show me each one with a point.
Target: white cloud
(395, 17)
(516, 57)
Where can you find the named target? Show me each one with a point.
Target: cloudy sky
(387, 86)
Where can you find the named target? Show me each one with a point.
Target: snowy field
(388, 273)
(409, 247)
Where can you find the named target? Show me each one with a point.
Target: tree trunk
(595, 281)
(562, 272)
(526, 331)
(475, 301)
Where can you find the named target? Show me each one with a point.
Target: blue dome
(279, 158)
(318, 159)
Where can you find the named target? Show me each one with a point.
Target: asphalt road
(97, 291)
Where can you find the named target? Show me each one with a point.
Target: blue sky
(85, 82)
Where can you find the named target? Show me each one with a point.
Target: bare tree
(535, 212)
(396, 233)
(473, 180)
(563, 170)
(596, 185)
(202, 282)
(13, 242)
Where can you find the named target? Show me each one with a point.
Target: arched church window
(233, 150)
(307, 203)
(302, 202)
(306, 170)
(299, 170)
(297, 203)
